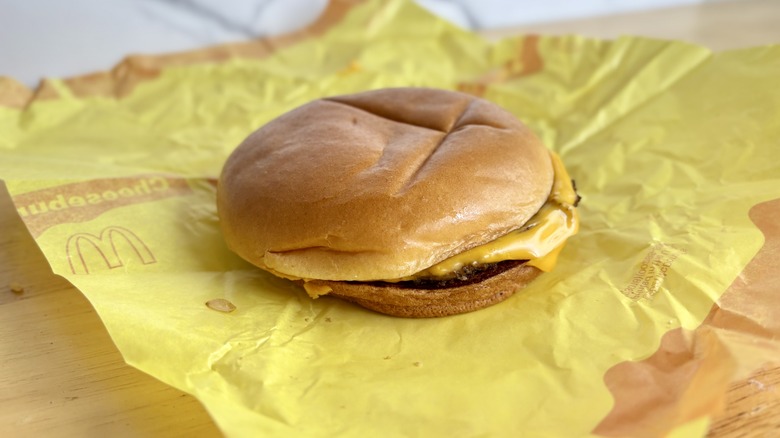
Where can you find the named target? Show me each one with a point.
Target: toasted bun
(394, 300)
(380, 184)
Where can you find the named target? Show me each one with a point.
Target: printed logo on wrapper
(88, 252)
(82, 201)
(112, 247)
(651, 273)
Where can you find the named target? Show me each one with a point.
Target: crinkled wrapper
(670, 291)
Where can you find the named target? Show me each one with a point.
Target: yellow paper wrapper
(669, 292)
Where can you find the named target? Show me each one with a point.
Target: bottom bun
(432, 299)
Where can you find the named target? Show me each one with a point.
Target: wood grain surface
(62, 376)
(719, 25)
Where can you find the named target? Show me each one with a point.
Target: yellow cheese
(315, 289)
(539, 241)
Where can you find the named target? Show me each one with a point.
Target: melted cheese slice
(539, 241)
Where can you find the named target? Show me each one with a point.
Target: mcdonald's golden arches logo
(88, 252)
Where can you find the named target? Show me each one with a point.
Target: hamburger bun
(354, 195)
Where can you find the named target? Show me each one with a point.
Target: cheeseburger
(412, 202)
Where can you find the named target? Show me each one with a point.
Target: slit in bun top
(412, 202)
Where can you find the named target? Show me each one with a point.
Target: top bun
(380, 184)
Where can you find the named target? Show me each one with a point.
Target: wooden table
(62, 376)
(719, 25)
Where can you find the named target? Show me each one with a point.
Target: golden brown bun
(380, 184)
(428, 303)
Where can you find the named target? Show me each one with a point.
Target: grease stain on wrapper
(221, 305)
